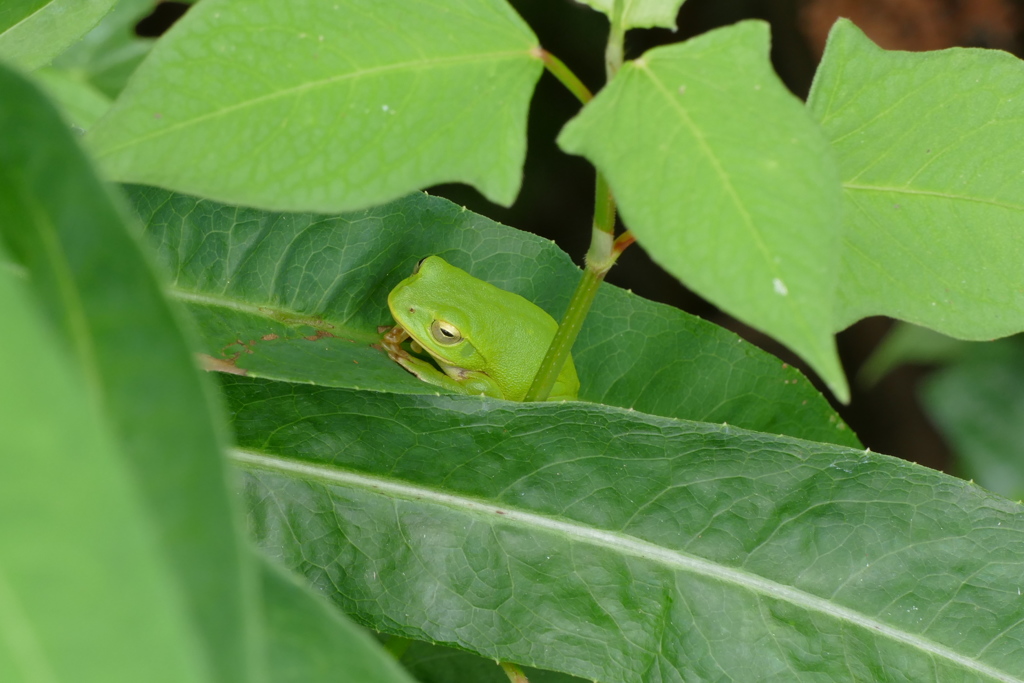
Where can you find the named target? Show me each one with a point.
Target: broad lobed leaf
(299, 297)
(930, 152)
(620, 546)
(328, 106)
(726, 182)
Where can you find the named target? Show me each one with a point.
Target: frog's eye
(419, 263)
(445, 333)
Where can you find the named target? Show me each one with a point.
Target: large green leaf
(85, 594)
(726, 182)
(328, 106)
(32, 32)
(619, 546)
(107, 309)
(641, 13)
(299, 297)
(930, 151)
(310, 641)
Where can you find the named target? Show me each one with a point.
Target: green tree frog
(486, 340)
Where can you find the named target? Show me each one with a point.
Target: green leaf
(977, 402)
(109, 54)
(309, 640)
(81, 103)
(299, 297)
(619, 546)
(929, 150)
(84, 591)
(727, 183)
(374, 100)
(33, 32)
(906, 343)
(107, 310)
(641, 13)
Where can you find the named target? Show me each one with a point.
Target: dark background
(556, 200)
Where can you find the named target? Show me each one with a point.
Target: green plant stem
(514, 673)
(604, 246)
(604, 251)
(613, 52)
(568, 330)
(565, 76)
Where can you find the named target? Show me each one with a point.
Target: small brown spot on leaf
(211, 364)
(320, 334)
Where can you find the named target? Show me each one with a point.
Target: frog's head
(436, 306)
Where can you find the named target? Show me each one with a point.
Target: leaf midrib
(274, 313)
(620, 543)
(313, 85)
(932, 193)
(797, 312)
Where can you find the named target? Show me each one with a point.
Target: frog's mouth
(399, 334)
(451, 369)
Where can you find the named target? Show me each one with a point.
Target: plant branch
(613, 52)
(603, 252)
(557, 68)
(604, 249)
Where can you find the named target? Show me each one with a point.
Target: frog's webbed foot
(392, 344)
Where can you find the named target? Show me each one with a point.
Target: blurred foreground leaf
(375, 100)
(930, 153)
(619, 546)
(107, 313)
(749, 219)
(310, 641)
(76, 541)
(80, 103)
(121, 559)
(299, 297)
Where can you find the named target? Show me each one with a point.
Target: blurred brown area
(917, 24)
(556, 200)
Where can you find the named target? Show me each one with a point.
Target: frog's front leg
(424, 371)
